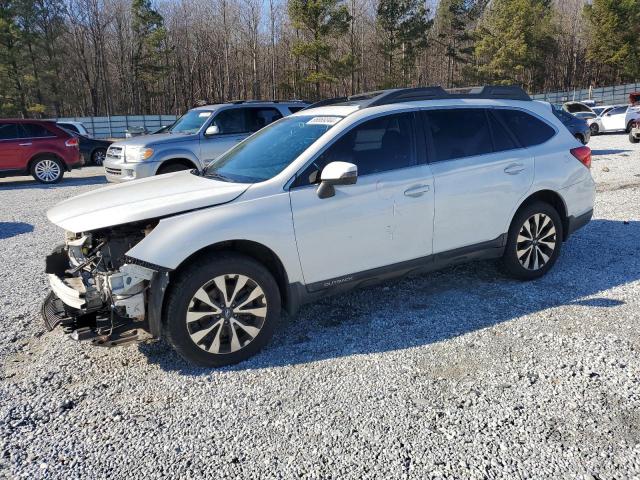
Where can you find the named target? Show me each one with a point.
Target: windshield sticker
(205, 114)
(324, 120)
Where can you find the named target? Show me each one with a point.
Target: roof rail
(401, 95)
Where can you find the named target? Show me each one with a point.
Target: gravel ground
(457, 374)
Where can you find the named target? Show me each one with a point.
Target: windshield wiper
(218, 176)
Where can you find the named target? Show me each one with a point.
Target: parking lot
(461, 373)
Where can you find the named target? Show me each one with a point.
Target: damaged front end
(101, 295)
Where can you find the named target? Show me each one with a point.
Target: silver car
(197, 138)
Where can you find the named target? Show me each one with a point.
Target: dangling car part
(97, 293)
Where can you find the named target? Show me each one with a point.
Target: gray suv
(197, 138)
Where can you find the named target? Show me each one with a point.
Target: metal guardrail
(616, 94)
(116, 126)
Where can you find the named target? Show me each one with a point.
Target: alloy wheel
(226, 313)
(536, 241)
(98, 157)
(47, 170)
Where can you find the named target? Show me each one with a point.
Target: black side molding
(482, 251)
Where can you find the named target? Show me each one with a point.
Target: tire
(98, 156)
(595, 129)
(47, 170)
(515, 261)
(633, 139)
(629, 127)
(173, 167)
(207, 338)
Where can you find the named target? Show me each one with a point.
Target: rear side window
(8, 131)
(502, 139)
(31, 130)
(245, 120)
(69, 126)
(230, 121)
(529, 130)
(258, 118)
(459, 133)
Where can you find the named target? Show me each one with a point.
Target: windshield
(191, 122)
(270, 150)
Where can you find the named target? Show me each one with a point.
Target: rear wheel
(222, 311)
(594, 129)
(47, 170)
(172, 167)
(534, 242)
(98, 156)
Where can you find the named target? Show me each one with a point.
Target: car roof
(26, 120)
(252, 103)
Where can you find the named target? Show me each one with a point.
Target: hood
(142, 199)
(155, 139)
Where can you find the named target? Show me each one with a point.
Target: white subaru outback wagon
(346, 193)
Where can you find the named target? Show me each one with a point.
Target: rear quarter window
(529, 130)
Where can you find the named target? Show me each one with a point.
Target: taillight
(72, 142)
(583, 154)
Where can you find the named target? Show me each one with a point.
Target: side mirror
(336, 173)
(212, 130)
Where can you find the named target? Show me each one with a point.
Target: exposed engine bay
(98, 293)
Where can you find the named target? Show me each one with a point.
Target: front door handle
(514, 169)
(25, 144)
(416, 191)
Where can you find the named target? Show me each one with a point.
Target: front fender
(264, 220)
(174, 153)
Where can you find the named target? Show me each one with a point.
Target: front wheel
(222, 311)
(534, 242)
(633, 138)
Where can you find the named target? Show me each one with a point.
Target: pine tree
(514, 40)
(320, 20)
(404, 26)
(149, 36)
(614, 38)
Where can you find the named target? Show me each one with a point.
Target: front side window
(378, 145)
(529, 130)
(618, 111)
(8, 131)
(271, 150)
(191, 122)
(459, 133)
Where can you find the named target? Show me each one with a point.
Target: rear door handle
(25, 144)
(514, 169)
(416, 191)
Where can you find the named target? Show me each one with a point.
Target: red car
(39, 148)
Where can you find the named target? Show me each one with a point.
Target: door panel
(13, 149)
(615, 119)
(480, 171)
(475, 196)
(385, 218)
